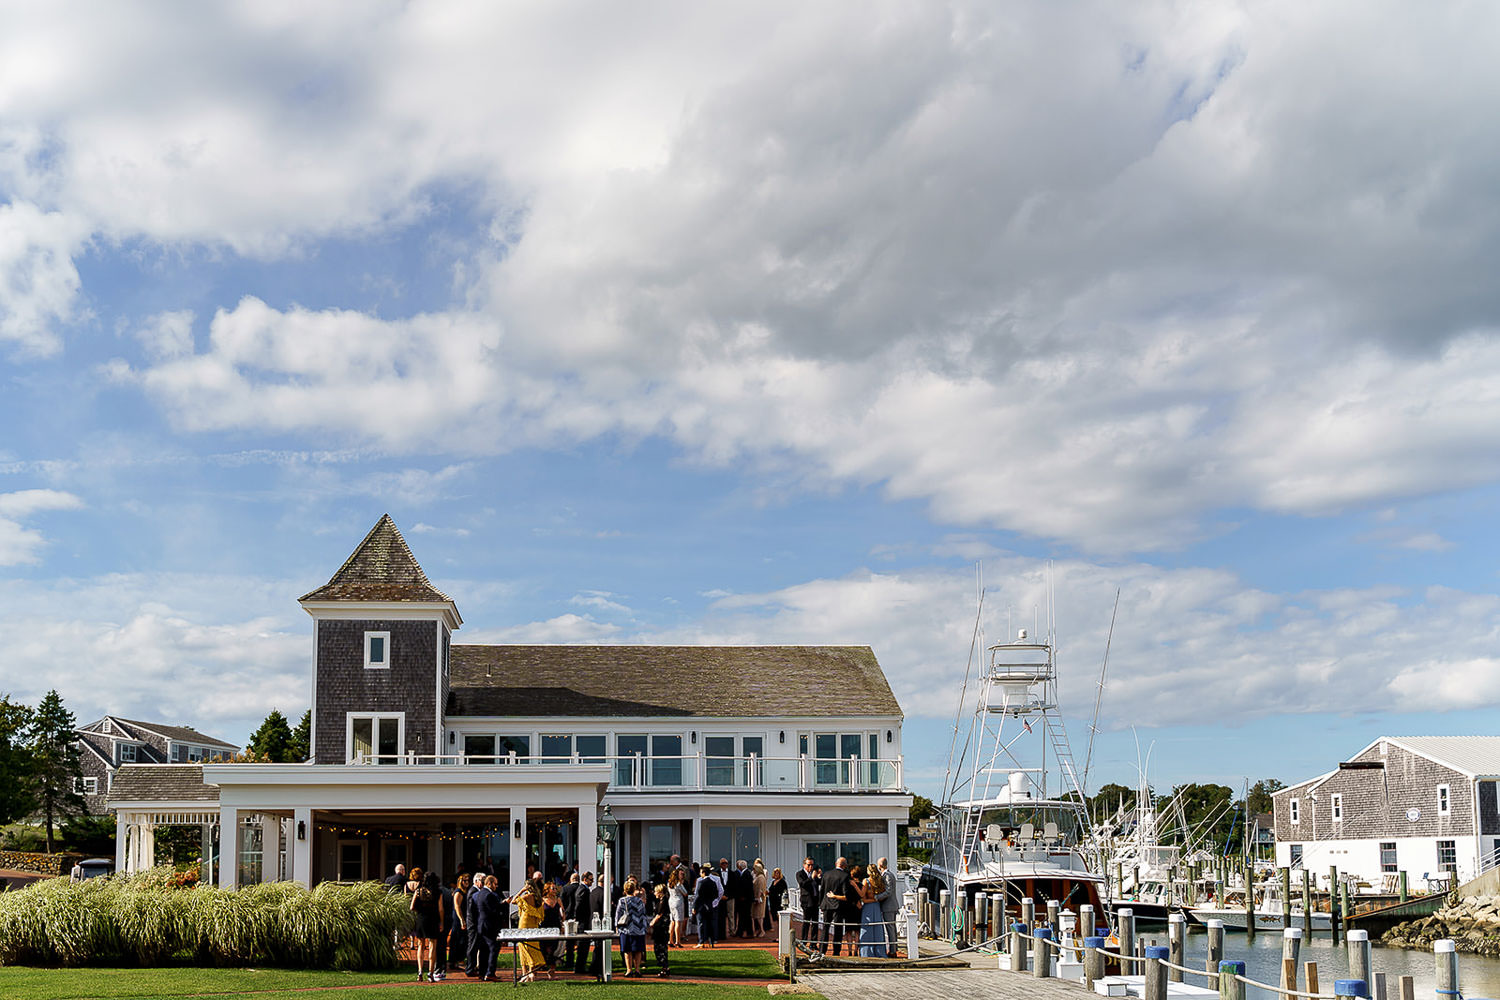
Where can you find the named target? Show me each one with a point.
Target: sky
(768, 323)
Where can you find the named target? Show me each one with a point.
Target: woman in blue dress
(871, 931)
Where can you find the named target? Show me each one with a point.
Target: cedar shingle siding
(1375, 801)
(408, 685)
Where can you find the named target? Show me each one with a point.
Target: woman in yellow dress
(529, 906)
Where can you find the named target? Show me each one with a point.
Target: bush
(22, 837)
(145, 920)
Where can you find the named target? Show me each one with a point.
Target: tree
(1259, 799)
(302, 739)
(55, 767)
(921, 808)
(273, 740)
(15, 761)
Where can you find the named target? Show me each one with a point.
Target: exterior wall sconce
(301, 830)
(452, 737)
(693, 736)
(888, 736)
(781, 737)
(519, 832)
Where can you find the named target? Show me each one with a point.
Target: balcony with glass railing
(694, 773)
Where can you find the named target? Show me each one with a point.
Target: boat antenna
(963, 692)
(1088, 758)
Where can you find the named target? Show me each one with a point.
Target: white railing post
(702, 771)
(802, 772)
(750, 777)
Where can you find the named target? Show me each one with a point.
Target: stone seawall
(1473, 924)
(42, 864)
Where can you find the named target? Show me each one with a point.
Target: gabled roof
(381, 568)
(734, 681)
(1476, 756)
(177, 734)
(161, 783)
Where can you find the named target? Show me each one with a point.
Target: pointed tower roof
(381, 569)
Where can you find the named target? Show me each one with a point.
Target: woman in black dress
(551, 917)
(427, 904)
(777, 891)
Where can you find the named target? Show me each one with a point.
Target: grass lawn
(23, 983)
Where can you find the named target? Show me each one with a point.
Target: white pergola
(288, 795)
(136, 823)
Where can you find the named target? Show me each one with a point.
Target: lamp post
(608, 830)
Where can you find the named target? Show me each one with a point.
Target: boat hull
(1234, 920)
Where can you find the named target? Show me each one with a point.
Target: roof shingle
(161, 783)
(744, 681)
(381, 568)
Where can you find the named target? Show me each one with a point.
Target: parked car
(94, 867)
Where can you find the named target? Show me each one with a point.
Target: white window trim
(135, 753)
(1294, 812)
(86, 785)
(1336, 802)
(349, 718)
(386, 663)
(1445, 800)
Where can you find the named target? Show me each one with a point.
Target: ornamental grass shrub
(147, 919)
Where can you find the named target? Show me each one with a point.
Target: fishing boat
(1269, 910)
(1013, 820)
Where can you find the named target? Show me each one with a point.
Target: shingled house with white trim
(106, 744)
(1425, 805)
(436, 753)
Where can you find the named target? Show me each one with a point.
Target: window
(1337, 802)
(518, 745)
(382, 736)
(1294, 811)
(377, 650)
(351, 860)
(1447, 856)
(127, 753)
(86, 786)
(833, 753)
(179, 753)
(666, 760)
(480, 749)
(661, 844)
(1443, 802)
(557, 749)
(630, 767)
(590, 748)
(1388, 857)
(1296, 855)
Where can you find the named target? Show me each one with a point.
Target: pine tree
(302, 739)
(273, 740)
(55, 765)
(15, 761)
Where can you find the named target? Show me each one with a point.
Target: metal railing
(695, 772)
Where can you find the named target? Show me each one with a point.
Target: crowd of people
(855, 906)
(456, 924)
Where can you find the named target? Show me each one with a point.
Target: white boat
(1268, 911)
(1003, 830)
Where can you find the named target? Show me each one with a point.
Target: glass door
(753, 746)
(631, 752)
(719, 759)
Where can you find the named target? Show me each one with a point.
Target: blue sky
(761, 324)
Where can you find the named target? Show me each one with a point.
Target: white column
(890, 843)
(270, 848)
(517, 848)
(435, 855)
(229, 846)
(587, 838)
(697, 857)
(302, 848)
(122, 837)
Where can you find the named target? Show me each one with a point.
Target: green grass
(17, 983)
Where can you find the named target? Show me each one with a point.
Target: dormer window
(127, 753)
(377, 650)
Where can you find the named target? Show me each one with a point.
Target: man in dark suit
(743, 893)
(486, 919)
(834, 906)
(590, 901)
(568, 897)
(809, 895)
(726, 880)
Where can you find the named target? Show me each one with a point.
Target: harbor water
(1479, 976)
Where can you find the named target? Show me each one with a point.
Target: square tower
(381, 637)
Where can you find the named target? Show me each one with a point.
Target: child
(660, 924)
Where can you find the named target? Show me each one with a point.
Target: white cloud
(1217, 258)
(564, 628)
(167, 335)
(19, 544)
(1183, 639)
(599, 600)
(38, 282)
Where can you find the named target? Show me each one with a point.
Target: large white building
(1425, 805)
(434, 753)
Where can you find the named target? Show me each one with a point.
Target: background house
(1425, 805)
(108, 743)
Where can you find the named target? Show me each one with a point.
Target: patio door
(831, 753)
(727, 761)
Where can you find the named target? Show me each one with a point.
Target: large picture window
(381, 736)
